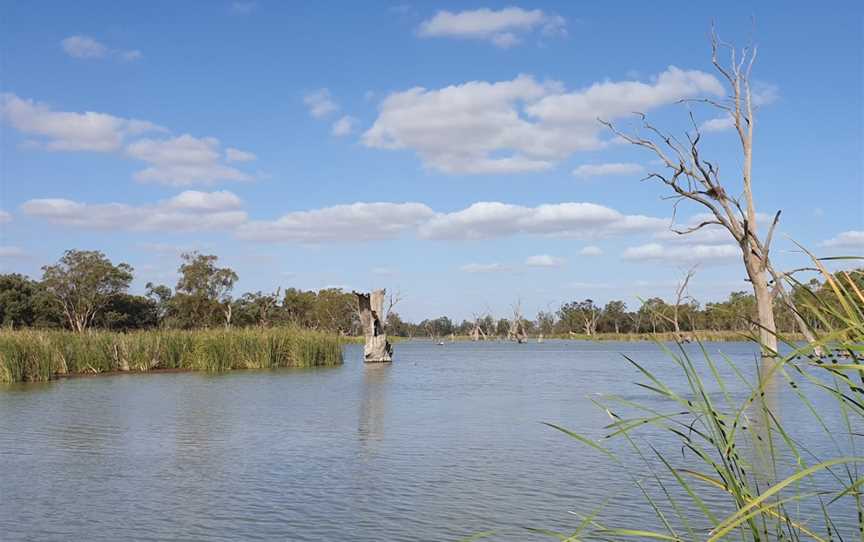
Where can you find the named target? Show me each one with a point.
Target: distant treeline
(85, 290)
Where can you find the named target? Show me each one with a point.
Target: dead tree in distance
(681, 296)
(517, 325)
(477, 333)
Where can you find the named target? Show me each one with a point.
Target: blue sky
(448, 151)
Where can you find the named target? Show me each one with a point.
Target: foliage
(84, 282)
(203, 300)
(26, 303)
(203, 291)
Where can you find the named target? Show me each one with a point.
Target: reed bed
(743, 452)
(34, 355)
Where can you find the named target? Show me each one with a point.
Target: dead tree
(477, 333)
(370, 308)
(267, 305)
(691, 177)
(516, 332)
(681, 296)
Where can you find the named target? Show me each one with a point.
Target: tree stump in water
(371, 310)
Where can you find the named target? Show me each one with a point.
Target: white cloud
(85, 47)
(182, 160)
(718, 124)
(591, 251)
(188, 211)
(236, 155)
(483, 268)
(68, 131)
(544, 260)
(503, 27)
(353, 222)
(194, 200)
(344, 126)
(5, 217)
(494, 219)
(683, 254)
(320, 103)
(846, 239)
(11, 252)
(586, 171)
(519, 125)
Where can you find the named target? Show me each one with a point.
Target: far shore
(660, 336)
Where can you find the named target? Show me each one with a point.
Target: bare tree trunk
(764, 306)
(228, 312)
(371, 310)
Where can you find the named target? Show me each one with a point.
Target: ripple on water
(444, 443)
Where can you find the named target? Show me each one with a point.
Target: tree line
(85, 290)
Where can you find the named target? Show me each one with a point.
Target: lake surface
(443, 443)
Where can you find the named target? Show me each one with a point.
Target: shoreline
(665, 336)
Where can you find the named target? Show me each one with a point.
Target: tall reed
(742, 453)
(31, 355)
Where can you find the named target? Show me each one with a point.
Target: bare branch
(770, 235)
(695, 228)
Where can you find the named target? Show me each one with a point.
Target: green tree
(502, 327)
(162, 297)
(126, 312)
(396, 326)
(204, 291)
(335, 310)
(546, 322)
(581, 315)
(657, 313)
(17, 303)
(297, 307)
(84, 283)
(614, 316)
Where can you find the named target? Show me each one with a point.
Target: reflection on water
(445, 442)
(373, 405)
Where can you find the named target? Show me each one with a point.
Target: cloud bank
(521, 125)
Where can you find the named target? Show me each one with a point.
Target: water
(445, 442)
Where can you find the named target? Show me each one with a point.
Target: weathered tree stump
(371, 310)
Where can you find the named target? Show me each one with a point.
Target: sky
(449, 151)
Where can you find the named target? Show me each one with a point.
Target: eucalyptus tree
(204, 290)
(614, 315)
(84, 283)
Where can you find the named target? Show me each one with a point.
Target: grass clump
(32, 356)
